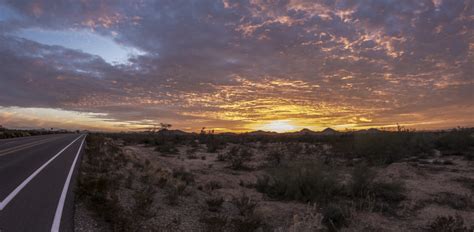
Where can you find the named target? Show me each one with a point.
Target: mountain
(329, 131)
(261, 132)
(305, 131)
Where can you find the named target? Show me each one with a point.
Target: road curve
(35, 178)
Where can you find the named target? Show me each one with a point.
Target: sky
(278, 65)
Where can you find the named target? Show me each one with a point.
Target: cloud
(230, 64)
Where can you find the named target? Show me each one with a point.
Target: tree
(164, 126)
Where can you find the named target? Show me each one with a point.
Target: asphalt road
(36, 175)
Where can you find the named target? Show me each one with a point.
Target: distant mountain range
(306, 131)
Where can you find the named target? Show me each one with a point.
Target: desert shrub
(449, 224)
(467, 183)
(98, 182)
(294, 148)
(212, 185)
(306, 182)
(172, 195)
(455, 201)
(469, 156)
(222, 157)
(335, 217)
(181, 189)
(275, 157)
(245, 153)
(237, 163)
(456, 140)
(161, 181)
(309, 220)
(146, 178)
(214, 203)
(191, 156)
(233, 151)
(193, 143)
(245, 205)
(361, 181)
(213, 146)
(247, 219)
(390, 192)
(213, 142)
(183, 175)
(129, 181)
(383, 147)
(246, 224)
(147, 141)
(238, 159)
(263, 184)
(99, 197)
(370, 194)
(15, 133)
(191, 150)
(144, 198)
(214, 223)
(167, 148)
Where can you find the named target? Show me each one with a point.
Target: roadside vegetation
(353, 181)
(14, 133)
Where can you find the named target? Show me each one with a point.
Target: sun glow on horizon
(279, 126)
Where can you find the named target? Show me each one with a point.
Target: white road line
(59, 209)
(12, 195)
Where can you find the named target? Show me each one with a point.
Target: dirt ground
(436, 186)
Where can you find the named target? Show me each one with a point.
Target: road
(36, 175)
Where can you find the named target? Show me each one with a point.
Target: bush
(364, 189)
(383, 147)
(263, 184)
(213, 145)
(245, 205)
(214, 223)
(172, 195)
(212, 185)
(391, 192)
(144, 198)
(455, 201)
(222, 157)
(275, 157)
(183, 175)
(167, 148)
(238, 159)
(294, 148)
(248, 220)
(214, 203)
(306, 182)
(246, 224)
(98, 181)
(449, 224)
(457, 140)
(335, 217)
(467, 183)
(362, 181)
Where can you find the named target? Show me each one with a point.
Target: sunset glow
(236, 65)
(279, 126)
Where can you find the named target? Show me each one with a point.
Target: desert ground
(372, 181)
